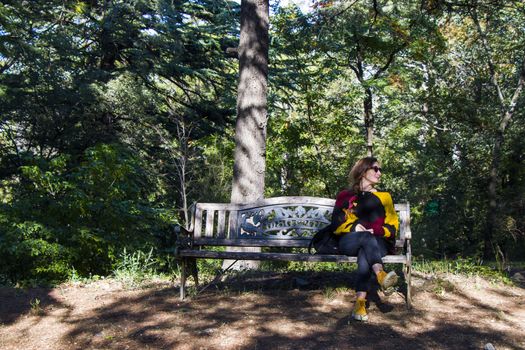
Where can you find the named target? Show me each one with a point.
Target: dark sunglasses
(376, 168)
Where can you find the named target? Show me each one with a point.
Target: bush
(133, 268)
(68, 215)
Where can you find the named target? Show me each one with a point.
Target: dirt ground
(264, 311)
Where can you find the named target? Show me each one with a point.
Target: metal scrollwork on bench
(283, 222)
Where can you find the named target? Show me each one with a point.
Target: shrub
(76, 215)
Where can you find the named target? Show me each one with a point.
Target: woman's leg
(363, 274)
(385, 280)
(369, 259)
(355, 244)
(369, 251)
(352, 242)
(382, 250)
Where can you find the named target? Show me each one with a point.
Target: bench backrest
(278, 221)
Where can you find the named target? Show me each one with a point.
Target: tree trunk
(507, 114)
(488, 247)
(369, 122)
(250, 130)
(368, 107)
(183, 136)
(493, 205)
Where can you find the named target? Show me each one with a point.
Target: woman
(366, 221)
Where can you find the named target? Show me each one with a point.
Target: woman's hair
(358, 171)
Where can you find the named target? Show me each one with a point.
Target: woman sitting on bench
(366, 221)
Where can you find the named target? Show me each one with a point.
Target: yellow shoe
(359, 312)
(386, 280)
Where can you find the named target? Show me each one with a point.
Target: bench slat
(283, 201)
(255, 242)
(233, 223)
(210, 218)
(281, 256)
(404, 221)
(251, 242)
(198, 222)
(221, 223)
(269, 202)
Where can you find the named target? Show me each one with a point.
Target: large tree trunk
(250, 130)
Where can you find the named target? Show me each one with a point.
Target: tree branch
(376, 11)
(514, 101)
(7, 65)
(391, 59)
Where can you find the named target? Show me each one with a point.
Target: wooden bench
(286, 222)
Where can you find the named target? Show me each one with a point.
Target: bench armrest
(183, 238)
(408, 251)
(408, 232)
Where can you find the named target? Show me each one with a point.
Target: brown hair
(358, 171)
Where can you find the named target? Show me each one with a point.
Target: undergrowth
(469, 267)
(132, 269)
(302, 266)
(461, 266)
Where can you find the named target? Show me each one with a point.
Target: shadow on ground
(269, 311)
(18, 302)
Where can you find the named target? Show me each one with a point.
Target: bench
(285, 222)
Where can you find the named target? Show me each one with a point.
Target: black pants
(369, 250)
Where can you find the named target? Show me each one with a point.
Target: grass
(442, 286)
(462, 266)
(330, 293)
(135, 268)
(302, 266)
(36, 308)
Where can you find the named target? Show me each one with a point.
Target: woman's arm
(343, 217)
(391, 224)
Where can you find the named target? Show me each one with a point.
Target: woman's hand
(360, 228)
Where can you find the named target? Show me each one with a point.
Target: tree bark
(369, 121)
(495, 164)
(368, 102)
(250, 130)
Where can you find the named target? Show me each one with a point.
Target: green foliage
(216, 158)
(132, 269)
(209, 268)
(442, 286)
(114, 118)
(92, 99)
(36, 309)
(68, 215)
(461, 266)
(301, 266)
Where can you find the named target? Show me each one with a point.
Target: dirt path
(263, 311)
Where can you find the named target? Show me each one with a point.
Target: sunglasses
(376, 168)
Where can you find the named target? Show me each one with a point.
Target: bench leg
(194, 271)
(183, 264)
(188, 265)
(408, 279)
